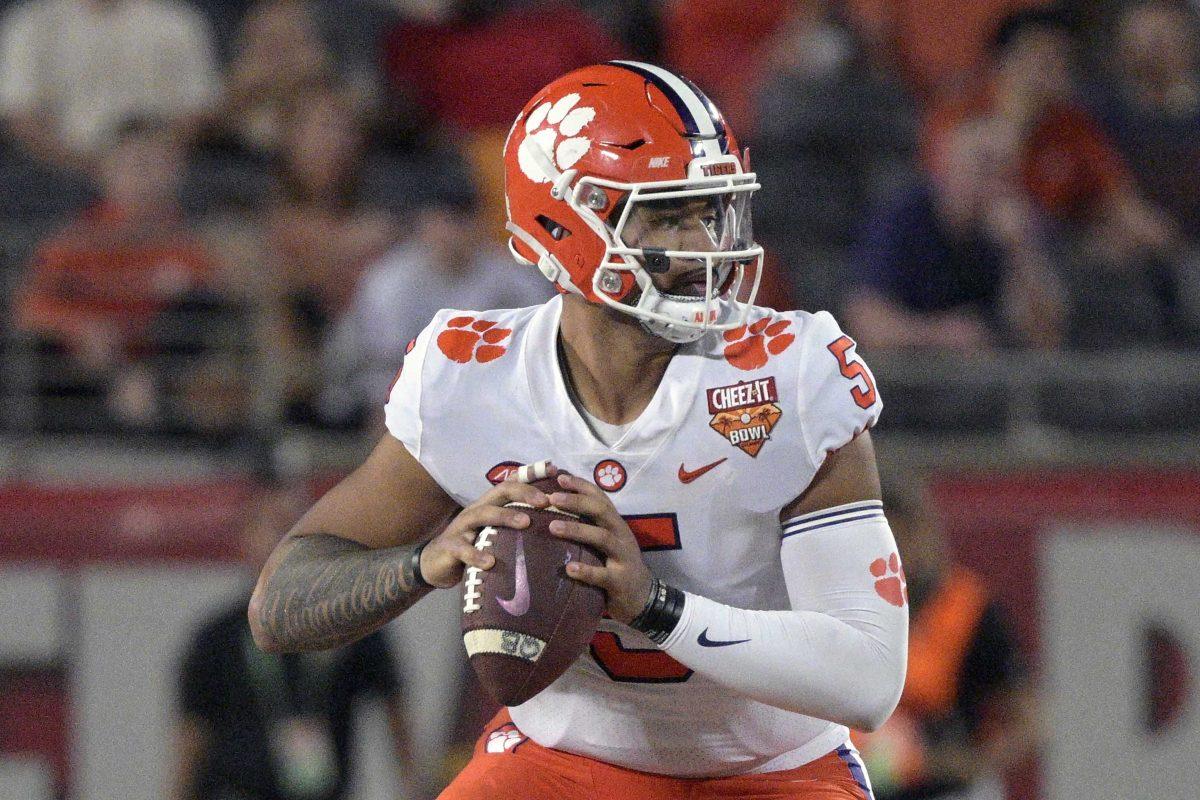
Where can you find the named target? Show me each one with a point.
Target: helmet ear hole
(557, 232)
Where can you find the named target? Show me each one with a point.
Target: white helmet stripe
(709, 143)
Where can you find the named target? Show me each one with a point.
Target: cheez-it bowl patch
(745, 413)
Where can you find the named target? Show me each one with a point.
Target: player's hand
(625, 578)
(445, 557)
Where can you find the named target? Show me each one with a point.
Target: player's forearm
(802, 661)
(326, 591)
(840, 654)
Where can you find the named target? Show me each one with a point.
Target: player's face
(697, 224)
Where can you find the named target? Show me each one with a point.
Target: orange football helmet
(595, 144)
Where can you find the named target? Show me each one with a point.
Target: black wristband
(414, 566)
(662, 612)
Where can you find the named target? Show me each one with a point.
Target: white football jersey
(735, 432)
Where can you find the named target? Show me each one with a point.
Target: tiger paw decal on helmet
(553, 130)
(467, 338)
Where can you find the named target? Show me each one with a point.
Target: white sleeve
(841, 652)
(837, 389)
(402, 414)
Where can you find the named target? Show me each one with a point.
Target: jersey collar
(563, 423)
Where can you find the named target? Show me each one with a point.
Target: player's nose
(700, 236)
(693, 235)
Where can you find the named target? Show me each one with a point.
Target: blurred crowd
(222, 215)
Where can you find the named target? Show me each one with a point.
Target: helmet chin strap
(653, 300)
(672, 333)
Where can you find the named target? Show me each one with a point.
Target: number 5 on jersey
(642, 664)
(854, 370)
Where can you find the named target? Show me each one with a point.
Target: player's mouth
(692, 284)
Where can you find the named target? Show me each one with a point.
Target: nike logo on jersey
(518, 604)
(687, 476)
(704, 641)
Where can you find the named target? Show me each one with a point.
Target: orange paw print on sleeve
(468, 338)
(889, 580)
(750, 347)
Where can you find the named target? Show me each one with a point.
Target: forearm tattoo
(328, 591)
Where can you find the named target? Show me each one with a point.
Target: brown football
(524, 621)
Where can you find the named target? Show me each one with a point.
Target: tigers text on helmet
(603, 149)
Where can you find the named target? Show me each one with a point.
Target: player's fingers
(477, 517)
(442, 562)
(581, 504)
(472, 557)
(513, 491)
(534, 471)
(598, 506)
(597, 537)
(574, 483)
(589, 574)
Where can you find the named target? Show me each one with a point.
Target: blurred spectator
(695, 31)
(452, 66)
(959, 262)
(1126, 255)
(1066, 162)
(349, 29)
(282, 47)
(939, 45)
(72, 70)
(427, 11)
(321, 233)
(966, 715)
(278, 56)
(824, 86)
(259, 726)
(636, 24)
(472, 67)
(835, 135)
(99, 295)
(448, 263)
(1150, 103)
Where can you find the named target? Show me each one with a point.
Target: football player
(756, 599)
